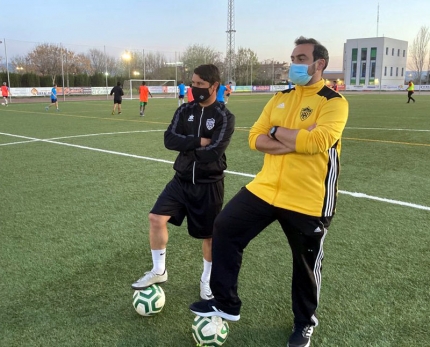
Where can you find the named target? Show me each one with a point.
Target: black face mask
(200, 94)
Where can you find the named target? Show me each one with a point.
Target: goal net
(158, 88)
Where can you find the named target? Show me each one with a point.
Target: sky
(267, 27)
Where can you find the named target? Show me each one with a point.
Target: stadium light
(136, 73)
(127, 57)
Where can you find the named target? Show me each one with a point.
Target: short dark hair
(118, 83)
(320, 52)
(143, 83)
(208, 73)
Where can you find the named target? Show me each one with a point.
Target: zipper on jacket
(198, 134)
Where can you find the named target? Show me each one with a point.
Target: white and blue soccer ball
(149, 301)
(210, 331)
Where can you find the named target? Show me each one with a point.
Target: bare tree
(46, 60)
(419, 50)
(196, 55)
(155, 66)
(247, 66)
(20, 63)
(78, 63)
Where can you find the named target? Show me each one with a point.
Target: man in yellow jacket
(300, 133)
(411, 90)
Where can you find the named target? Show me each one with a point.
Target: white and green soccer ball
(210, 331)
(149, 301)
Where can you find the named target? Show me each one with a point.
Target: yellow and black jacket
(304, 181)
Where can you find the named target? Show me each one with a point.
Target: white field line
(359, 128)
(389, 129)
(70, 137)
(354, 194)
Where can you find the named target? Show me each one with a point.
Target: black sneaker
(301, 336)
(207, 308)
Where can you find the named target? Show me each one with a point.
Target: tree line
(47, 63)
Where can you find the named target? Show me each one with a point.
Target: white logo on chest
(210, 123)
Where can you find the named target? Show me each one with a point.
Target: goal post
(158, 88)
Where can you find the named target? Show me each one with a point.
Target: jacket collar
(312, 89)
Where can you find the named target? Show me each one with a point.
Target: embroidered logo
(281, 106)
(305, 113)
(210, 123)
(191, 118)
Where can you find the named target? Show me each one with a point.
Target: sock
(159, 261)
(207, 268)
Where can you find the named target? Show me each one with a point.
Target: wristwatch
(273, 132)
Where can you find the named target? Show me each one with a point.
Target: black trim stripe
(328, 93)
(331, 179)
(288, 90)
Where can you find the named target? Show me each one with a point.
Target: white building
(375, 62)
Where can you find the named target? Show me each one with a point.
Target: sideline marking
(74, 136)
(389, 129)
(354, 194)
(386, 141)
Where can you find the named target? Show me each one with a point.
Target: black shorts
(181, 96)
(200, 203)
(117, 101)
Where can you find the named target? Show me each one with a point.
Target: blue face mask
(299, 74)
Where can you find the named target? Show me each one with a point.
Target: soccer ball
(3, 104)
(149, 301)
(210, 331)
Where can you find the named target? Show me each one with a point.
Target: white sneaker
(148, 279)
(205, 291)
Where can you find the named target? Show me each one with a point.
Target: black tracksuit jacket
(190, 123)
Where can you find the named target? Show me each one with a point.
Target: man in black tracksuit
(200, 131)
(117, 97)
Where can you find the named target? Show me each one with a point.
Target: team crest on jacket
(305, 113)
(210, 123)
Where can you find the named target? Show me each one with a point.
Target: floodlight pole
(143, 56)
(251, 74)
(106, 74)
(62, 72)
(273, 71)
(176, 69)
(7, 68)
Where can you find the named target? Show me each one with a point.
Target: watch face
(273, 130)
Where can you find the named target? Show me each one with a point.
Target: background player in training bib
(143, 95)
